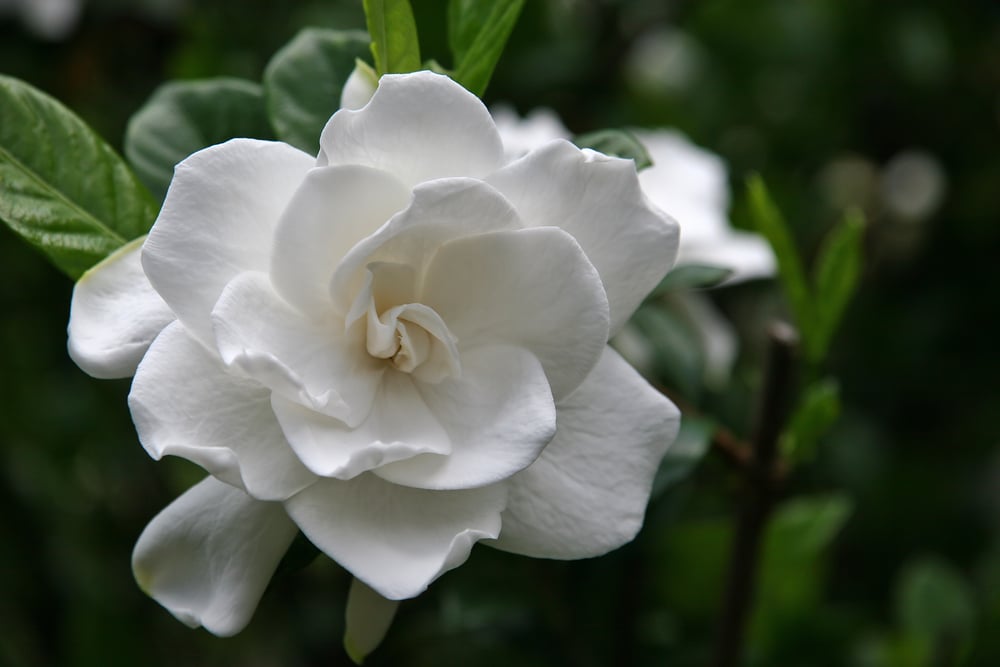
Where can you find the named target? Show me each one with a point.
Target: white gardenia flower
(398, 348)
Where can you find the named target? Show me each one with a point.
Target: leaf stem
(761, 488)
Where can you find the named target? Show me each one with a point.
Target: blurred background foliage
(886, 551)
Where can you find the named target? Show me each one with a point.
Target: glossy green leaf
(61, 187)
(769, 222)
(692, 276)
(838, 268)
(393, 32)
(818, 409)
(183, 117)
(304, 81)
(617, 143)
(936, 605)
(477, 33)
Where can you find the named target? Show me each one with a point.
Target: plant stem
(761, 483)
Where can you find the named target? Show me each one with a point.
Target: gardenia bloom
(692, 185)
(398, 347)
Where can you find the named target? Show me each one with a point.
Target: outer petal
(587, 493)
(419, 127)
(334, 209)
(184, 403)
(217, 221)
(531, 287)
(439, 212)
(399, 426)
(598, 201)
(368, 618)
(312, 362)
(396, 539)
(498, 416)
(210, 554)
(115, 315)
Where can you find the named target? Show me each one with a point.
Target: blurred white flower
(49, 19)
(521, 135)
(398, 348)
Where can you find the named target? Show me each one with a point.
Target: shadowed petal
(210, 554)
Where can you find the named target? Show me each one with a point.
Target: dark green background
(783, 88)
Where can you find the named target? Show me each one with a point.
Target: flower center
(409, 335)
(414, 339)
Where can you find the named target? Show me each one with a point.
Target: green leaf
(617, 143)
(838, 268)
(685, 454)
(677, 350)
(816, 412)
(771, 224)
(691, 276)
(182, 117)
(394, 36)
(304, 81)
(793, 564)
(936, 605)
(62, 188)
(477, 33)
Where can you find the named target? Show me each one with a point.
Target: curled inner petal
(410, 336)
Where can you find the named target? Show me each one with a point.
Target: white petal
(309, 361)
(598, 201)
(587, 493)
(418, 127)
(531, 287)
(210, 554)
(367, 619)
(396, 539)
(115, 315)
(218, 220)
(184, 403)
(498, 415)
(747, 255)
(399, 426)
(440, 211)
(334, 209)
